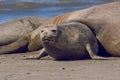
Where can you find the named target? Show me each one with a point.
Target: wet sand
(14, 67)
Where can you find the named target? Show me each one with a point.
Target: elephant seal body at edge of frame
(12, 30)
(103, 20)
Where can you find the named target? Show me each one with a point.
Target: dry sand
(13, 67)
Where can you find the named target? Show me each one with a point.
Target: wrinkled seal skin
(103, 20)
(12, 30)
(68, 41)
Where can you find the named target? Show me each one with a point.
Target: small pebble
(24, 56)
(63, 68)
(6, 79)
(28, 73)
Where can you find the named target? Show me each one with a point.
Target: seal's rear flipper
(15, 46)
(95, 56)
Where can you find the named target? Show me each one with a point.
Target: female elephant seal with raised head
(68, 41)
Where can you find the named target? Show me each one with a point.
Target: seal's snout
(48, 38)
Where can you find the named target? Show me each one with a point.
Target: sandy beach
(14, 67)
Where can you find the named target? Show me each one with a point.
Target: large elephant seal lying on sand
(103, 20)
(12, 30)
(69, 41)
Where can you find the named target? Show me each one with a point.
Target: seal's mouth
(49, 40)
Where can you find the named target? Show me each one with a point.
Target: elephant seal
(14, 29)
(103, 20)
(69, 41)
(18, 29)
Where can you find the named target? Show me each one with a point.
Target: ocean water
(10, 9)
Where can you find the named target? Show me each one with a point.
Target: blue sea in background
(10, 9)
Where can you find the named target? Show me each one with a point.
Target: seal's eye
(54, 31)
(42, 31)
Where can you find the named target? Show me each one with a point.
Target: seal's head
(49, 33)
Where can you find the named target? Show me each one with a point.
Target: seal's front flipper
(94, 55)
(41, 54)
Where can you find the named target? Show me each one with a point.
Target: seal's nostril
(42, 31)
(54, 30)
